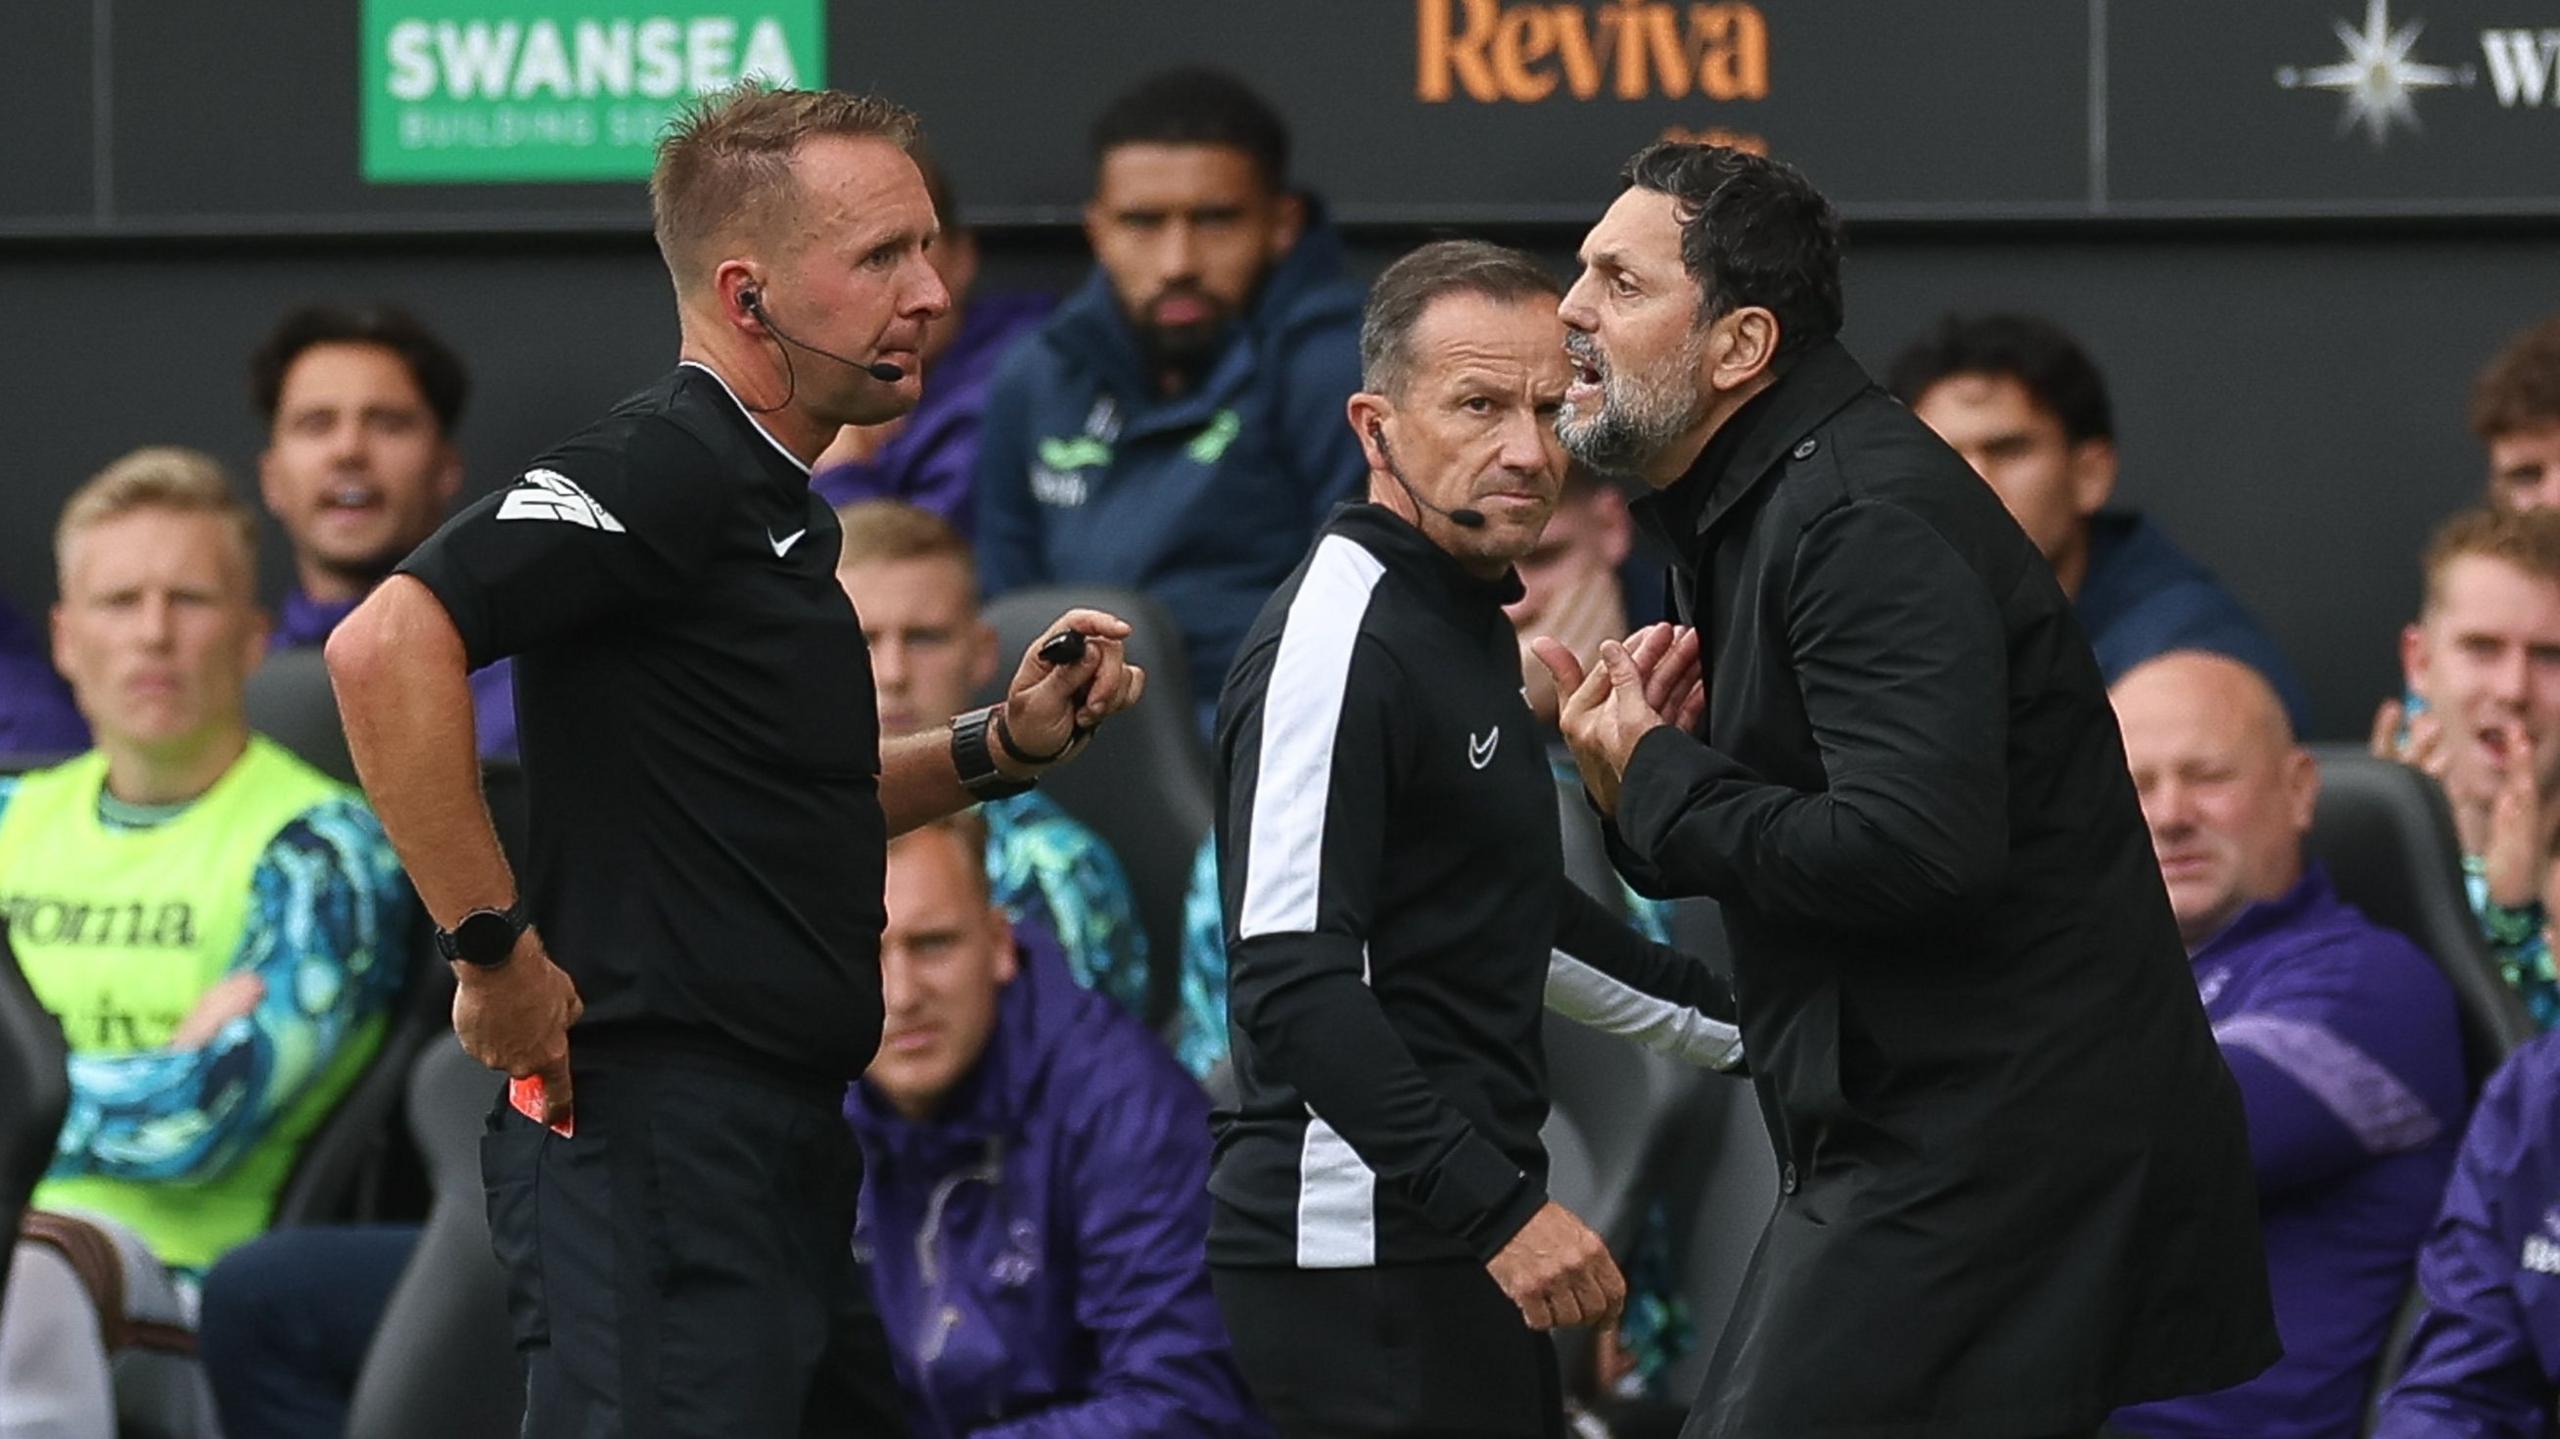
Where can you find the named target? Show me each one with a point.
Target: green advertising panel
(501, 90)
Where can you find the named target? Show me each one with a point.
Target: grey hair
(1406, 291)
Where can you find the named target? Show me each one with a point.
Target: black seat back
(1144, 784)
(35, 1091)
(2386, 837)
(289, 700)
(442, 1365)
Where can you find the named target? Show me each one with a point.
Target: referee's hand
(1559, 1272)
(515, 1019)
(1048, 708)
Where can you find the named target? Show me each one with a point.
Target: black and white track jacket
(1398, 916)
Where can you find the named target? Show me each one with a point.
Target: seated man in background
(929, 459)
(2343, 1037)
(2481, 669)
(1177, 425)
(2026, 407)
(37, 717)
(2515, 411)
(221, 930)
(1035, 1205)
(911, 580)
(360, 407)
(2484, 1359)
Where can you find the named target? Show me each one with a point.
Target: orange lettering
(1718, 135)
(1627, 18)
(1582, 64)
(1670, 51)
(1445, 56)
(1733, 45)
(1526, 38)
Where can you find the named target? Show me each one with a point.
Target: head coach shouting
(710, 798)
(2015, 1179)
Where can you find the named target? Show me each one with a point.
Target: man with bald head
(2341, 1034)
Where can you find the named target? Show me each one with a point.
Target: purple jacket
(932, 462)
(1040, 1251)
(2345, 1042)
(2485, 1360)
(305, 621)
(37, 717)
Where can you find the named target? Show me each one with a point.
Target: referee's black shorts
(684, 1265)
(1415, 1351)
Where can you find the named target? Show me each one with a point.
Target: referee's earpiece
(752, 301)
(1463, 517)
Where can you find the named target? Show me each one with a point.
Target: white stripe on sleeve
(1301, 710)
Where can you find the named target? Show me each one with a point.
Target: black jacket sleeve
(1606, 976)
(1307, 804)
(1903, 664)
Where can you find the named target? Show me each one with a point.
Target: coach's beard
(1636, 419)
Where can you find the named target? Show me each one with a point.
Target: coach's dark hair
(1398, 301)
(438, 371)
(1753, 231)
(2037, 353)
(1196, 105)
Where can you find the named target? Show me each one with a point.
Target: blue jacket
(1039, 1251)
(1205, 500)
(2143, 597)
(2485, 1360)
(37, 718)
(2348, 1052)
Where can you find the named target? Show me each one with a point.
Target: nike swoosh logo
(1480, 751)
(783, 545)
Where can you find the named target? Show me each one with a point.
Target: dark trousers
(684, 1265)
(1418, 1351)
(286, 1321)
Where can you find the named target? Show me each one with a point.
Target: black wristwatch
(975, 763)
(485, 937)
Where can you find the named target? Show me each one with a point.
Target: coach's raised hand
(1051, 709)
(1604, 713)
(1559, 1272)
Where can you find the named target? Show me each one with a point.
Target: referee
(1383, 1247)
(710, 798)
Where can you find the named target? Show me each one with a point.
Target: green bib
(121, 931)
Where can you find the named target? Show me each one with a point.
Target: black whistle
(1062, 649)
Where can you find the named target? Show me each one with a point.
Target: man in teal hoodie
(1177, 425)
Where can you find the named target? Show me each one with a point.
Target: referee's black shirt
(701, 745)
(1397, 912)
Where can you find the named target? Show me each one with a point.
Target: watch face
(484, 938)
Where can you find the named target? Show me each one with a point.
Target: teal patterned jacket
(2519, 944)
(1047, 867)
(330, 918)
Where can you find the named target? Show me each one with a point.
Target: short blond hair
(724, 168)
(2528, 540)
(158, 477)
(966, 828)
(879, 532)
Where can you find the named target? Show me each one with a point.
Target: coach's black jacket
(2016, 1190)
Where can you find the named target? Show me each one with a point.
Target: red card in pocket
(527, 1096)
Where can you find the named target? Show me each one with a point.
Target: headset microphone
(1464, 518)
(881, 370)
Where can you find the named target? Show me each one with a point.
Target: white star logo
(2377, 77)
